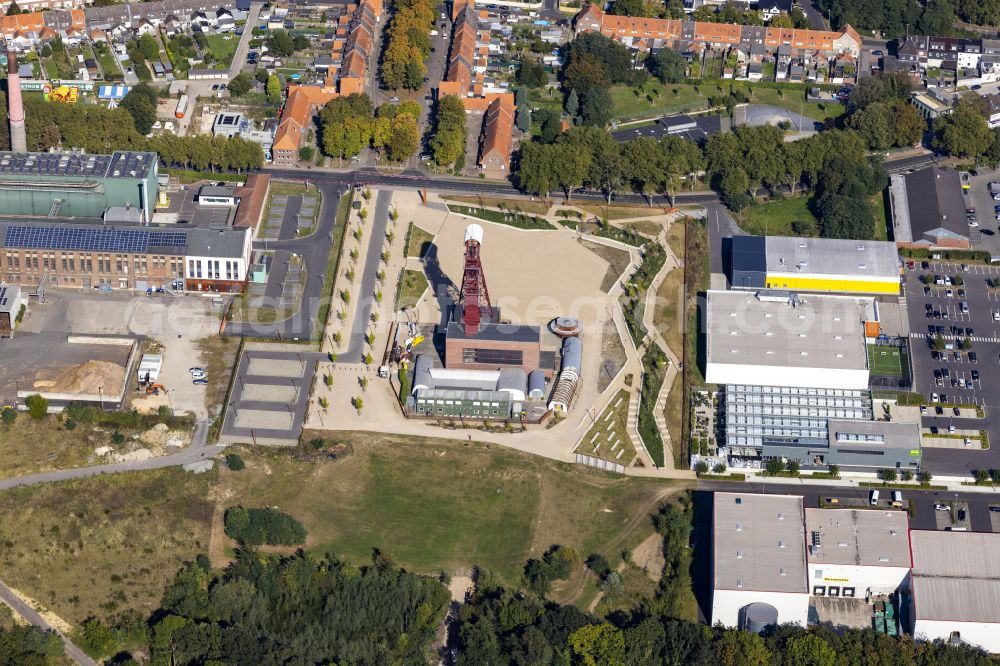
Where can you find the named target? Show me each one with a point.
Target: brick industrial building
(89, 255)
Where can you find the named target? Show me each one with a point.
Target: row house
(25, 31)
(651, 34)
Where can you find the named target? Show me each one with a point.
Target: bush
(234, 462)
(598, 564)
(888, 474)
(9, 415)
(720, 468)
(38, 407)
(774, 466)
(701, 467)
(256, 527)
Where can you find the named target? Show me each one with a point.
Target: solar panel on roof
(99, 239)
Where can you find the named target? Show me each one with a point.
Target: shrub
(701, 467)
(256, 527)
(9, 415)
(38, 407)
(774, 466)
(888, 474)
(720, 468)
(234, 462)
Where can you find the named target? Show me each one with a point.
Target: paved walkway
(31, 615)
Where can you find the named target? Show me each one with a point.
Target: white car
(198, 375)
(942, 507)
(157, 125)
(934, 397)
(168, 125)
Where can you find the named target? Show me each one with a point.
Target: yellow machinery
(64, 94)
(162, 200)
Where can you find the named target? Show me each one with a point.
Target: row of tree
(408, 44)
(448, 140)
(99, 130)
(590, 157)
(29, 646)
(965, 133)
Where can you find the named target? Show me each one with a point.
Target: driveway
(240, 56)
(366, 298)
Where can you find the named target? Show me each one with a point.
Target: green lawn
(107, 62)
(774, 218)
(223, 48)
(672, 98)
(439, 504)
(511, 219)
(418, 242)
(412, 285)
(885, 361)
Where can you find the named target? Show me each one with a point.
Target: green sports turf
(885, 361)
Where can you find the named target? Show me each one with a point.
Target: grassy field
(107, 62)
(103, 545)
(412, 285)
(418, 242)
(333, 265)
(470, 505)
(518, 219)
(775, 218)
(531, 207)
(608, 438)
(645, 227)
(31, 446)
(885, 361)
(223, 47)
(666, 317)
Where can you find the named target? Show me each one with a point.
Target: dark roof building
(928, 209)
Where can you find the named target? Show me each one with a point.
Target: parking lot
(969, 317)
(985, 236)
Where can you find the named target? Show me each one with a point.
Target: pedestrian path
(974, 338)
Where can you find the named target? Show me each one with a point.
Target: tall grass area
(674, 523)
(633, 298)
(333, 265)
(696, 280)
(654, 368)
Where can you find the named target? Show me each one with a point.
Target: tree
(880, 87)
(523, 118)
(38, 407)
(792, 466)
(234, 462)
(597, 107)
(598, 645)
(887, 474)
(810, 650)
(448, 140)
(550, 121)
(140, 103)
(531, 73)
(982, 476)
(668, 66)
(782, 20)
(273, 89)
(280, 43)
(925, 478)
(404, 138)
(13, 9)
(572, 103)
(701, 467)
(774, 466)
(9, 415)
(645, 165)
(240, 85)
(149, 46)
(629, 8)
(574, 160)
(963, 132)
(536, 171)
(719, 468)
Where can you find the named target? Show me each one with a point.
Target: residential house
(497, 138)
(296, 119)
(199, 21)
(992, 110)
(771, 8)
(172, 26)
(145, 27)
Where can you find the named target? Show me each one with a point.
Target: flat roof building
(955, 587)
(856, 552)
(784, 339)
(11, 300)
(74, 184)
(815, 264)
(928, 209)
(758, 558)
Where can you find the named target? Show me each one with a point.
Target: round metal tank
(566, 327)
(474, 232)
(422, 373)
(514, 382)
(758, 616)
(572, 355)
(536, 384)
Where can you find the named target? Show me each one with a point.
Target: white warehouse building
(759, 561)
(956, 587)
(788, 340)
(857, 552)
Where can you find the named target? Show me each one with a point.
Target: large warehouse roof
(956, 576)
(759, 543)
(832, 256)
(823, 332)
(77, 165)
(858, 536)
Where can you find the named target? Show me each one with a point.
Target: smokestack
(15, 109)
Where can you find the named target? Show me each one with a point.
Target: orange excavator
(155, 389)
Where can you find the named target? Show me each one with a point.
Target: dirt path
(570, 596)
(217, 539)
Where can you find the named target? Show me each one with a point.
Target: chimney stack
(15, 108)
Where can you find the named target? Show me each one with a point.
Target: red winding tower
(475, 296)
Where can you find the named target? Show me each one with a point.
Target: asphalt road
(314, 251)
(366, 300)
(32, 616)
(240, 56)
(922, 518)
(197, 450)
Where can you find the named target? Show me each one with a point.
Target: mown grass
(418, 241)
(412, 285)
(531, 207)
(775, 218)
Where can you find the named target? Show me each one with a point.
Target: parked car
(923, 410)
(995, 509)
(972, 359)
(975, 373)
(956, 411)
(961, 515)
(200, 382)
(941, 507)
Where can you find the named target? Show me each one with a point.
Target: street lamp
(100, 393)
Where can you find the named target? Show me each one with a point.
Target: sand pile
(86, 378)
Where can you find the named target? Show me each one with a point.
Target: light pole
(100, 393)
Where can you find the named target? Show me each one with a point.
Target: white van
(873, 498)
(897, 498)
